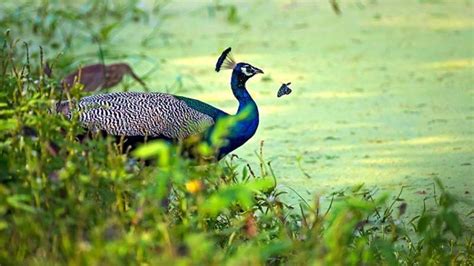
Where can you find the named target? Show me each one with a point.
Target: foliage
(65, 27)
(63, 201)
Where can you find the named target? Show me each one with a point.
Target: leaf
(387, 251)
(106, 30)
(244, 173)
(241, 194)
(424, 222)
(453, 223)
(260, 184)
(20, 201)
(360, 204)
(152, 149)
(3, 225)
(7, 112)
(224, 125)
(7, 124)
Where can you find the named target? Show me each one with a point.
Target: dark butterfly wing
(284, 89)
(222, 58)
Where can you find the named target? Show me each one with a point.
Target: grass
(88, 203)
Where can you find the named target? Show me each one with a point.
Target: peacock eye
(247, 70)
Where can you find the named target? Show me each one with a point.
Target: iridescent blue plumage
(244, 129)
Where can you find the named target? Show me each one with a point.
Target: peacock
(140, 116)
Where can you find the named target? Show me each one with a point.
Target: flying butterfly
(284, 89)
(225, 60)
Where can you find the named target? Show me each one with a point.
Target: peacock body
(138, 116)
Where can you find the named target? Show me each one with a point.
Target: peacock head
(245, 71)
(241, 72)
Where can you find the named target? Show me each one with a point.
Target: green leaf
(260, 184)
(386, 249)
(7, 124)
(360, 204)
(241, 194)
(424, 222)
(453, 223)
(20, 201)
(3, 225)
(106, 30)
(153, 149)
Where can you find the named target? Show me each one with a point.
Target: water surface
(382, 95)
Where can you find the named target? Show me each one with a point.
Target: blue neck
(245, 128)
(240, 92)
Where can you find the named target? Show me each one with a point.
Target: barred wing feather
(141, 114)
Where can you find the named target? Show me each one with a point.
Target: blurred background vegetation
(382, 96)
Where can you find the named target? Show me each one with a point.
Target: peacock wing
(142, 114)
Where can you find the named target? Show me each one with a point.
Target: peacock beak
(258, 70)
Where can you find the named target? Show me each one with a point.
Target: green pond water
(382, 94)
